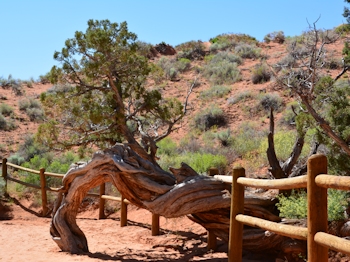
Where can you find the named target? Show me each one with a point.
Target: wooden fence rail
(317, 182)
(44, 188)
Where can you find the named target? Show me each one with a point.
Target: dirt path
(25, 237)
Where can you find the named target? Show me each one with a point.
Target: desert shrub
(189, 143)
(224, 137)
(35, 114)
(16, 159)
(229, 41)
(193, 50)
(333, 63)
(289, 114)
(7, 124)
(200, 162)
(286, 62)
(276, 37)
(44, 79)
(247, 51)
(144, 49)
(284, 141)
(173, 67)
(242, 96)
(157, 74)
(5, 109)
(268, 101)
(220, 70)
(247, 139)
(215, 91)
(342, 29)
(295, 205)
(29, 148)
(26, 103)
(226, 56)
(260, 74)
(212, 116)
(166, 147)
(14, 84)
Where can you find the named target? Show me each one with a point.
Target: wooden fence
(44, 188)
(317, 182)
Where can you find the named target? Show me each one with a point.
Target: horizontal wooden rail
(23, 168)
(54, 174)
(113, 198)
(284, 230)
(335, 182)
(333, 242)
(283, 183)
(23, 183)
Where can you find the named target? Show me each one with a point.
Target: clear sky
(31, 30)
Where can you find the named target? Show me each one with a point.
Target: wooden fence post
(155, 224)
(123, 213)
(237, 207)
(4, 175)
(43, 191)
(317, 219)
(102, 202)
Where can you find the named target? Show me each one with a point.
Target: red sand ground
(26, 237)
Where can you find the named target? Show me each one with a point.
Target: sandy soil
(25, 237)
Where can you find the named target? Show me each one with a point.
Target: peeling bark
(203, 199)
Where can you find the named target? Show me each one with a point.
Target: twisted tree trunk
(205, 200)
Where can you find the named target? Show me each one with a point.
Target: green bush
(35, 114)
(167, 147)
(242, 96)
(285, 63)
(211, 116)
(222, 72)
(215, 91)
(268, 101)
(226, 56)
(173, 67)
(193, 50)
(295, 206)
(229, 41)
(7, 124)
(247, 139)
(260, 74)
(200, 162)
(247, 51)
(5, 109)
(276, 37)
(225, 137)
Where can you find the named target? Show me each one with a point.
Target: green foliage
(260, 74)
(242, 96)
(247, 51)
(284, 141)
(200, 162)
(167, 147)
(285, 63)
(290, 113)
(105, 70)
(247, 139)
(32, 108)
(173, 67)
(333, 103)
(276, 37)
(222, 69)
(193, 50)
(295, 206)
(228, 41)
(7, 124)
(14, 84)
(211, 116)
(346, 53)
(268, 101)
(214, 91)
(225, 137)
(5, 109)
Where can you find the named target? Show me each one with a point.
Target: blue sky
(31, 30)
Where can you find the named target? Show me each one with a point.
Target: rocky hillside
(231, 73)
